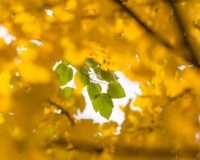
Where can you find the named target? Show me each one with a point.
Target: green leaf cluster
(102, 102)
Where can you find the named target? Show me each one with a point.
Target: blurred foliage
(153, 42)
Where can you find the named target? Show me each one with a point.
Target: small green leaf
(67, 91)
(93, 89)
(97, 103)
(115, 90)
(107, 76)
(103, 103)
(91, 63)
(84, 77)
(33, 45)
(60, 67)
(65, 73)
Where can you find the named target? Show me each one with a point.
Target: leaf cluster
(102, 102)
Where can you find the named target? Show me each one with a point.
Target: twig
(99, 82)
(65, 112)
(180, 95)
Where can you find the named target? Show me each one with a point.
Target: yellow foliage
(5, 83)
(1, 119)
(5, 91)
(153, 42)
(33, 73)
(79, 84)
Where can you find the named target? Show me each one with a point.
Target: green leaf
(65, 73)
(64, 63)
(67, 91)
(103, 103)
(60, 67)
(84, 77)
(107, 76)
(115, 90)
(33, 45)
(93, 89)
(91, 63)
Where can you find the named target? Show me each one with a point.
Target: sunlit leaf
(107, 76)
(65, 73)
(67, 91)
(103, 103)
(84, 76)
(94, 89)
(115, 90)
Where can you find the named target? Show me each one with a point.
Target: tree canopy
(45, 44)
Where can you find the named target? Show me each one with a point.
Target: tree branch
(193, 55)
(141, 23)
(179, 95)
(131, 151)
(65, 112)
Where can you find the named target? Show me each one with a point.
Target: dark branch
(193, 56)
(179, 95)
(63, 111)
(131, 151)
(141, 23)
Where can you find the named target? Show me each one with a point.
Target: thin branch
(179, 95)
(99, 82)
(130, 151)
(65, 112)
(170, 98)
(141, 23)
(193, 55)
